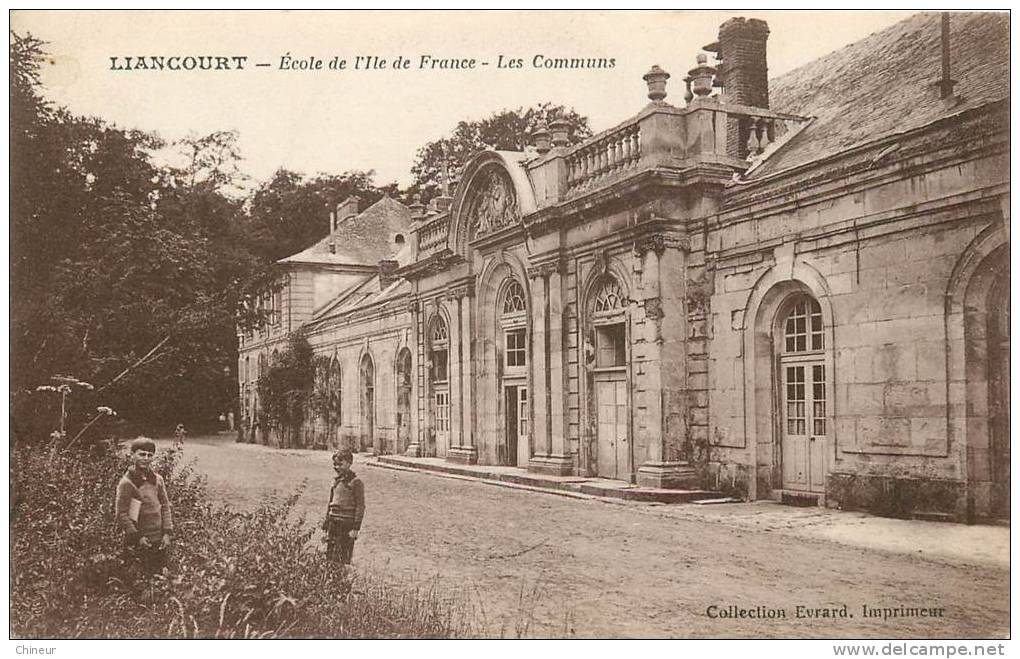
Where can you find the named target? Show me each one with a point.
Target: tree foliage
(112, 254)
(506, 130)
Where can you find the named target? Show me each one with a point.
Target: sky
(339, 120)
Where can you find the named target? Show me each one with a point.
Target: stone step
(597, 487)
(648, 494)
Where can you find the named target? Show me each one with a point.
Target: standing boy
(346, 509)
(143, 508)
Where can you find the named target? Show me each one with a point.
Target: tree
(124, 273)
(506, 130)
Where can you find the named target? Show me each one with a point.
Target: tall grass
(257, 574)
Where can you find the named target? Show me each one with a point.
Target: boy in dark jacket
(143, 508)
(346, 509)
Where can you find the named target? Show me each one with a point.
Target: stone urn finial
(702, 77)
(656, 79)
(542, 136)
(560, 132)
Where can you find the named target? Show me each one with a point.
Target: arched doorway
(403, 420)
(439, 384)
(513, 322)
(983, 273)
(998, 396)
(803, 384)
(607, 356)
(367, 372)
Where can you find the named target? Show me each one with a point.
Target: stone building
(794, 288)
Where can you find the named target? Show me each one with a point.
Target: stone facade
(781, 301)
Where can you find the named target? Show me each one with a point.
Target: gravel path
(536, 564)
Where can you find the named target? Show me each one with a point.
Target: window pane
(513, 299)
(803, 326)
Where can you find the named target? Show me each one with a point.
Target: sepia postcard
(511, 324)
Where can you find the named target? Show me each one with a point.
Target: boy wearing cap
(143, 508)
(346, 509)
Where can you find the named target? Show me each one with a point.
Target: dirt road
(536, 564)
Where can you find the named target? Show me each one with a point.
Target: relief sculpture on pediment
(495, 205)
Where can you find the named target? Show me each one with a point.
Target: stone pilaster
(456, 383)
(420, 387)
(557, 460)
(657, 470)
(540, 443)
(466, 451)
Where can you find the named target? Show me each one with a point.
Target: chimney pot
(560, 129)
(542, 139)
(656, 80)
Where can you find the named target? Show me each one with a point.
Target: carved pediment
(495, 204)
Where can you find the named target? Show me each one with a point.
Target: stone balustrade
(432, 236)
(763, 130)
(604, 156)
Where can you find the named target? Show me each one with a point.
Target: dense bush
(233, 575)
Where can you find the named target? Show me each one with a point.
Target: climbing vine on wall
(287, 387)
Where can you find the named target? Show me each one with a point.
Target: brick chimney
(743, 66)
(387, 273)
(347, 208)
(744, 73)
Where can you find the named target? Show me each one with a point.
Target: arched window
(335, 393)
(608, 297)
(802, 330)
(513, 299)
(608, 304)
(439, 349)
(513, 320)
(439, 359)
(367, 372)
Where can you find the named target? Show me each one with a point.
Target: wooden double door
(613, 426)
(805, 425)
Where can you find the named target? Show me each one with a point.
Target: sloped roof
(886, 83)
(364, 294)
(363, 239)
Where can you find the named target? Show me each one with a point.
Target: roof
(363, 294)
(363, 239)
(886, 84)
